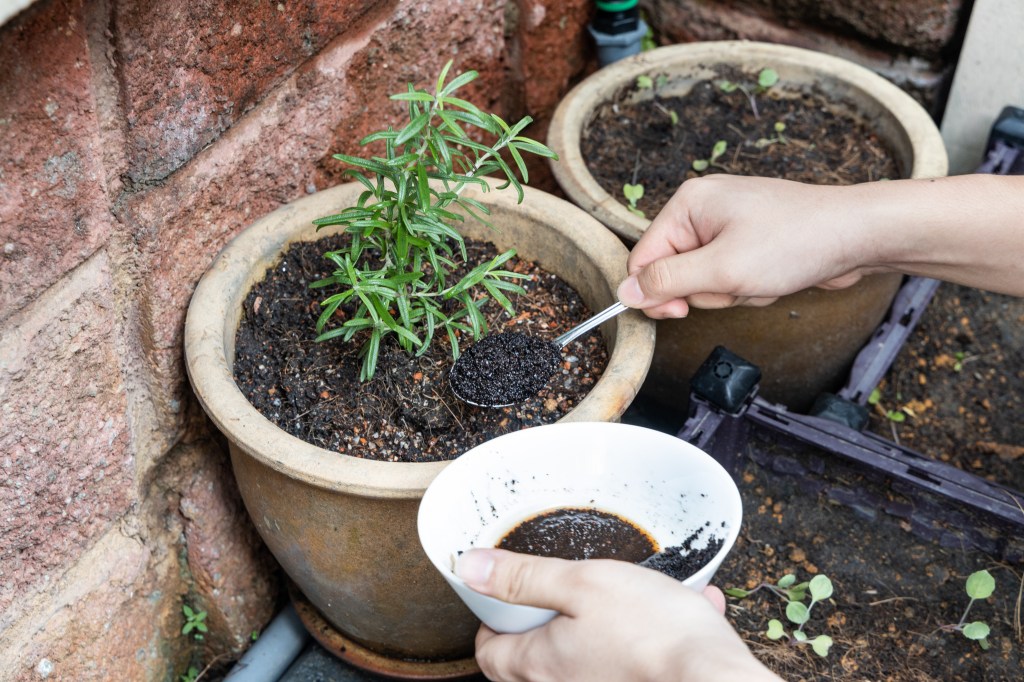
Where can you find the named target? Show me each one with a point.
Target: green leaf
(876, 395)
(718, 150)
(444, 74)
(459, 81)
(775, 630)
(797, 612)
(533, 147)
(633, 193)
(727, 86)
(820, 587)
(980, 585)
(700, 165)
(896, 416)
(786, 580)
(371, 351)
(519, 162)
(800, 635)
(644, 82)
(736, 592)
(413, 129)
(821, 644)
(767, 78)
(976, 630)
(413, 96)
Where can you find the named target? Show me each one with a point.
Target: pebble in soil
(503, 369)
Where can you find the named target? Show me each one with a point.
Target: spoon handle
(578, 331)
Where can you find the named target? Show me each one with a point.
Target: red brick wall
(137, 137)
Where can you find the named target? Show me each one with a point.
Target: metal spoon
(490, 383)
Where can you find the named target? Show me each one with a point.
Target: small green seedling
(818, 588)
(701, 165)
(897, 416)
(191, 676)
(672, 115)
(644, 82)
(980, 585)
(195, 622)
(777, 138)
(959, 364)
(766, 78)
(633, 194)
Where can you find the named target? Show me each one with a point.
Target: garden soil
(960, 382)
(654, 141)
(407, 412)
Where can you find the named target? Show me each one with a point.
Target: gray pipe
(277, 647)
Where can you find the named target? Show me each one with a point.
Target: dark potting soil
(894, 590)
(504, 368)
(637, 143)
(579, 533)
(959, 384)
(683, 560)
(407, 412)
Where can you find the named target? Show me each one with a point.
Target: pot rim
(213, 317)
(928, 151)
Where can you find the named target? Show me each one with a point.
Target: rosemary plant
(397, 265)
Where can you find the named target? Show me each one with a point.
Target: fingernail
(629, 292)
(475, 567)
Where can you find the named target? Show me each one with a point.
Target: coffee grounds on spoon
(502, 369)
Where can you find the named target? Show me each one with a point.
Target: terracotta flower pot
(805, 342)
(344, 528)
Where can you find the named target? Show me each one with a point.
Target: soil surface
(960, 381)
(960, 385)
(638, 143)
(407, 412)
(894, 591)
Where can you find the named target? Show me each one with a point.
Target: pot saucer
(357, 655)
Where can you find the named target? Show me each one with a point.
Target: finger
(678, 276)
(483, 635)
(518, 578)
(668, 234)
(715, 596)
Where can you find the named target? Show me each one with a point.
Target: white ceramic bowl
(666, 486)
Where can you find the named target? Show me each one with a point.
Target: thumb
(670, 278)
(517, 578)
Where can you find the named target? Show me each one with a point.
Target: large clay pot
(805, 342)
(344, 528)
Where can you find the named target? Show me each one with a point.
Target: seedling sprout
(701, 165)
(980, 585)
(819, 588)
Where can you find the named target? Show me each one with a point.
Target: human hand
(616, 621)
(727, 240)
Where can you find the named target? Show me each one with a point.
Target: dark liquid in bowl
(579, 533)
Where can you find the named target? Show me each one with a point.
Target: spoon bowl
(507, 368)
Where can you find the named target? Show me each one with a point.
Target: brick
(923, 28)
(54, 213)
(553, 49)
(281, 150)
(233, 577)
(66, 470)
(116, 615)
(691, 20)
(190, 69)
